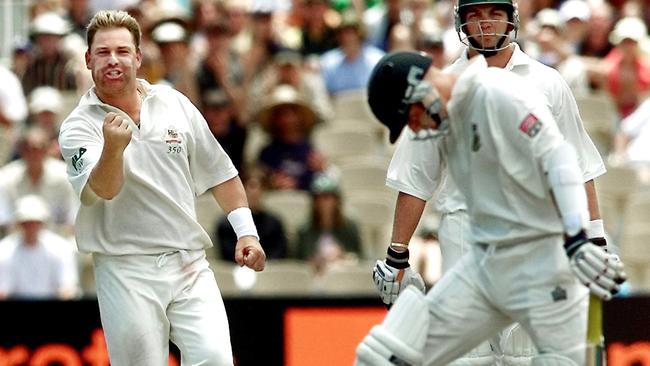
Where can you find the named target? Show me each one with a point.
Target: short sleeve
(416, 165)
(81, 146)
(567, 116)
(209, 163)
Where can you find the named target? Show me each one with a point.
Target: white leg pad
(518, 348)
(548, 359)
(373, 353)
(408, 319)
(400, 339)
(482, 355)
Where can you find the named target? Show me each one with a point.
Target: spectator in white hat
(36, 263)
(46, 108)
(13, 111)
(575, 14)
(172, 37)
(49, 65)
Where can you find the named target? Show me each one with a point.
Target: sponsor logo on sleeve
(530, 125)
(77, 161)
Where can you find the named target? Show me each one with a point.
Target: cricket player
(419, 173)
(529, 259)
(137, 155)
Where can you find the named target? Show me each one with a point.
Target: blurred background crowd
(281, 84)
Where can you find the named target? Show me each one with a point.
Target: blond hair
(107, 19)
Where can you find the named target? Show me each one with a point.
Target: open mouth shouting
(113, 74)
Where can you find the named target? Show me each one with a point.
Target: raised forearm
(107, 177)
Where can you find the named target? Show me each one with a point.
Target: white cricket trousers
(510, 347)
(492, 287)
(147, 300)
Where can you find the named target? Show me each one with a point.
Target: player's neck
(129, 102)
(501, 58)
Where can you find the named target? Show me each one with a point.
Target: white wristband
(241, 220)
(596, 229)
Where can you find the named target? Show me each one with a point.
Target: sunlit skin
(48, 45)
(114, 61)
(30, 230)
(327, 204)
(350, 42)
(488, 20)
(288, 125)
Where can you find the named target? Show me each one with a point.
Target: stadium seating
(353, 104)
(354, 279)
(341, 142)
(282, 277)
(374, 213)
(364, 174)
(293, 207)
(614, 189)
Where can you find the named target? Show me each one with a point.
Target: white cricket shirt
(536, 75)
(171, 158)
(500, 134)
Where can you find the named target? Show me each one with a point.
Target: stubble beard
(112, 88)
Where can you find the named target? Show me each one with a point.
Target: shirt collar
(518, 58)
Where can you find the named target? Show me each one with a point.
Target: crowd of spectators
(276, 66)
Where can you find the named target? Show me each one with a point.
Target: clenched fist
(117, 132)
(249, 253)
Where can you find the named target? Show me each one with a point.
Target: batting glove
(394, 274)
(600, 271)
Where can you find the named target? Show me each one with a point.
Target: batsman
(419, 171)
(529, 260)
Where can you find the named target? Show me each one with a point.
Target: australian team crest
(172, 136)
(173, 140)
